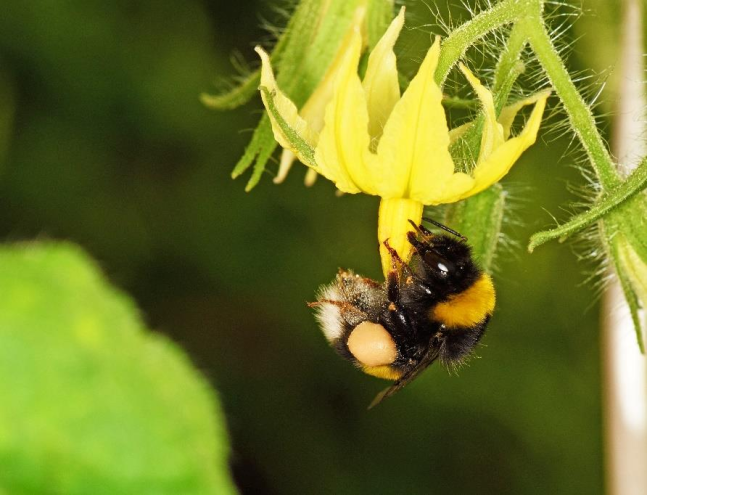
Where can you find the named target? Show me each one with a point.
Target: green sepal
(379, 17)
(479, 219)
(301, 148)
(631, 296)
(509, 67)
(301, 58)
(236, 96)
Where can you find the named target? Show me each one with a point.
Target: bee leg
(350, 313)
(396, 260)
(393, 288)
(342, 305)
(397, 315)
(421, 229)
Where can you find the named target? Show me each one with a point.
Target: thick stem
(468, 33)
(509, 67)
(634, 184)
(581, 118)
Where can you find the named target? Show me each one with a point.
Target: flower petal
(492, 136)
(285, 107)
(413, 151)
(313, 111)
(381, 79)
(343, 153)
(498, 164)
(508, 114)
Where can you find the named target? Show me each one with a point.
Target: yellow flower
(314, 108)
(377, 141)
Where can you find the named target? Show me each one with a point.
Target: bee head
(445, 262)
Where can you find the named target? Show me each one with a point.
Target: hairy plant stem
(610, 200)
(509, 67)
(456, 44)
(581, 118)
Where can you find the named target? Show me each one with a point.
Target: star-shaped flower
(376, 141)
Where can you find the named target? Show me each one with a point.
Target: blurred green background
(103, 142)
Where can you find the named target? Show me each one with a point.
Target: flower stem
(509, 67)
(454, 102)
(634, 184)
(581, 118)
(393, 226)
(468, 33)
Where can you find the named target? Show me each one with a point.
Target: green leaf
(90, 401)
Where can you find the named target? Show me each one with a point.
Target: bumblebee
(436, 307)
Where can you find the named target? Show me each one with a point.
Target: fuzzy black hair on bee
(435, 308)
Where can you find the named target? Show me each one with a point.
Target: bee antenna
(440, 225)
(423, 232)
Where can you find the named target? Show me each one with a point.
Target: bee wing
(433, 352)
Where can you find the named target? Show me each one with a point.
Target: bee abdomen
(469, 307)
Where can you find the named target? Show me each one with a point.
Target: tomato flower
(377, 141)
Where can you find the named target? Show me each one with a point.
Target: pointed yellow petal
(491, 135)
(381, 78)
(413, 151)
(508, 114)
(343, 154)
(502, 159)
(284, 105)
(313, 111)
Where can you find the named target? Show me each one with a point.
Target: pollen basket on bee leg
(372, 345)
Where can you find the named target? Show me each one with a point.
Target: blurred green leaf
(90, 401)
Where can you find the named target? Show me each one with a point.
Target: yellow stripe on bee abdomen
(385, 372)
(469, 307)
